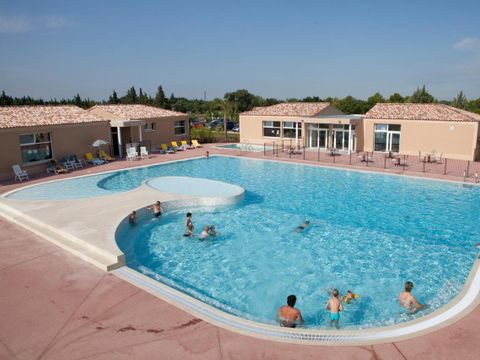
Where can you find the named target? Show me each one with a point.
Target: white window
(149, 126)
(387, 137)
(271, 128)
(180, 127)
(36, 147)
(289, 130)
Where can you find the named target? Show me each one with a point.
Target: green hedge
(206, 135)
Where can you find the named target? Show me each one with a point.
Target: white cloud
(14, 25)
(468, 44)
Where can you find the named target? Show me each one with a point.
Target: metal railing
(426, 163)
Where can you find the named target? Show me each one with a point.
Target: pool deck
(53, 305)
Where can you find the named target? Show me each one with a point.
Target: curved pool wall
(465, 295)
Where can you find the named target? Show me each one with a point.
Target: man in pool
(302, 226)
(408, 301)
(335, 306)
(288, 315)
(207, 154)
(188, 225)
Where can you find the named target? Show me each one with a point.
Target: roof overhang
(334, 119)
(126, 123)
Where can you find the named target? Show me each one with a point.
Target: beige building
(422, 128)
(142, 124)
(315, 125)
(407, 129)
(31, 136)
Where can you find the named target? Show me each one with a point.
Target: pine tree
(460, 101)
(113, 99)
(131, 97)
(142, 97)
(160, 100)
(422, 96)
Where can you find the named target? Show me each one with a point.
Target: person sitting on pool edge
(302, 226)
(408, 301)
(335, 306)
(188, 225)
(132, 218)
(288, 315)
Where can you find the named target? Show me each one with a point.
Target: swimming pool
(245, 147)
(369, 233)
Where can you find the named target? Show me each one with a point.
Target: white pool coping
(460, 306)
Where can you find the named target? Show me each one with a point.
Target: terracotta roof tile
(40, 115)
(288, 109)
(138, 111)
(435, 112)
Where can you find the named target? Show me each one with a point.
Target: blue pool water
(369, 233)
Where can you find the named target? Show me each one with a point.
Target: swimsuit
(334, 316)
(157, 214)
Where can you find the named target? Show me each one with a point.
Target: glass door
(394, 142)
(322, 139)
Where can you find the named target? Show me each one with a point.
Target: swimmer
(207, 154)
(132, 218)
(302, 226)
(212, 231)
(335, 306)
(288, 315)
(157, 209)
(349, 296)
(408, 301)
(205, 233)
(188, 225)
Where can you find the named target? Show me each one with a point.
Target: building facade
(414, 129)
(409, 129)
(31, 136)
(313, 125)
(142, 124)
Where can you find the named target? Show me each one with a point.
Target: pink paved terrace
(55, 306)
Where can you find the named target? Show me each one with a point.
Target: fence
(421, 163)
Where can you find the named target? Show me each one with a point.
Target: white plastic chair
(132, 154)
(19, 173)
(144, 152)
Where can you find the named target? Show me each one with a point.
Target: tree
(422, 96)
(142, 97)
(375, 98)
(350, 105)
(131, 97)
(312, 99)
(396, 98)
(160, 100)
(241, 100)
(460, 101)
(77, 100)
(113, 99)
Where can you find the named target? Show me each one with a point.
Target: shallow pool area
(246, 147)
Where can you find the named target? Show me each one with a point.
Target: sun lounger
(186, 146)
(167, 149)
(19, 173)
(92, 160)
(196, 144)
(53, 167)
(176, 147)
(76, 162)
(105, 156)
(68, 164)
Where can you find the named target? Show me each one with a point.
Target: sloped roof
(41, 115)
(435, 112)
(137, 111)
(288, 109)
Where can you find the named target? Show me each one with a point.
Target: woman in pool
(302, 226)
(132, 218)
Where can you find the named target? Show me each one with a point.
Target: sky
(280, 49)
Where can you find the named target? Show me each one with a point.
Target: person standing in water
(335, 306)
(408, 301)
(288, 315)
(188, 225)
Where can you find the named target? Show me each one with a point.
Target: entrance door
(318, 138)
(394, 142)
(340, 139)
(114, 142)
